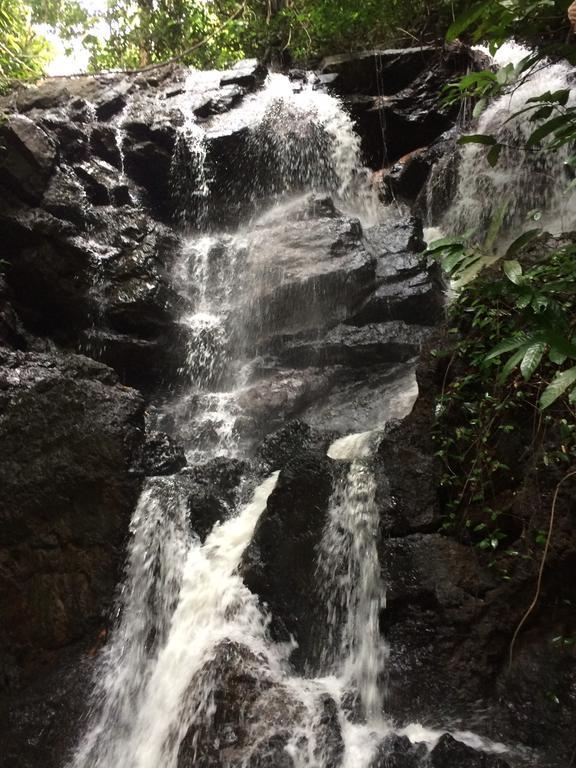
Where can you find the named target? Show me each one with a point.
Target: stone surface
(368, 345)
(399, 752)
(369, 71)
(254, 715)
(69, 437)
(280, 563)
(248, 73)
(160, 455)
(450, 753)
(27, 157)
(295, 293)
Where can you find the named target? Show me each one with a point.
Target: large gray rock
(450, 753)
(295, 292)
(254, 717)
(349, 345)
(27, 157)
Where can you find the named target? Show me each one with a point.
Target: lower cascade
(288, 597)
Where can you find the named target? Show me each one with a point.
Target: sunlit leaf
(558, 386)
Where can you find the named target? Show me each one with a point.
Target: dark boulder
(150, 365)
(148, 147)
(248, 73)
(65, 198)
(40, 725)
(282, 394)
(27, 157)
(397, 233)
(362, 399)
(280, 563)
(436, 591)
(410, 480)
(254, 715)
(297, 293)
(399, 752)
(211, 491)
(105, 144)
(416, 300)
(384, 72)
(160, 455)
(227, 97)
(101, 183)
(69, 436)
(450, 753)
(406, 180)
(401, 91)
(288, 442)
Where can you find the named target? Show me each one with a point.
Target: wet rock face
(211, 491)
(280, 563)
(40, 726)
(161, 455)
(298, 293)
(399, 752)
(69, 436)
(255, 718)
(400, 89)
(450, 753)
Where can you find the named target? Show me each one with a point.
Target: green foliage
(219, 33)
(500, 364)
(510, 384)
(23, 53)
(497, 21)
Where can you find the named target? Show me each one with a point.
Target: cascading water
(525, 184)
(349, 574)
(181, 600)
(184, 605)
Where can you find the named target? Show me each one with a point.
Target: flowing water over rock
(182, 600)
(287, 599)
(525, 185)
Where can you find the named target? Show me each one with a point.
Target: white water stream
(528, 188)
(181, 599)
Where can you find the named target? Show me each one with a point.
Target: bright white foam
(212, 605)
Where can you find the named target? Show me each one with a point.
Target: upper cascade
(526, 184)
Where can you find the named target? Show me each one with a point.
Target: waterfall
(181, 599)
(349, 575)
(198, 599)
(525, 185)
(183, 606)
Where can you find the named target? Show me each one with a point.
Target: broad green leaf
(495, 226)
(466, 20)
(524, 300)
(451, 261)
(522, 241)
(513, 271)
(552, 97)
(477, 138)
(558, 386)
(532, 359)
(541, 114)
(550, 126)
(443, 242)
(512, 363)
(481, 105)
(557, 357)
(504, 75)
(507, 346)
